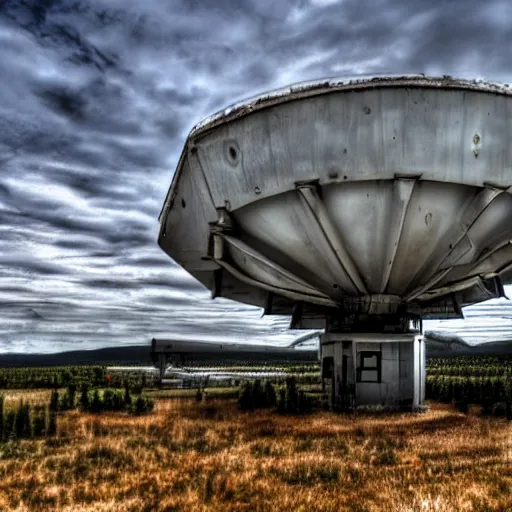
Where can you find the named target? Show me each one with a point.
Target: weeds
(183, 457)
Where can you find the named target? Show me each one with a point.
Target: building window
(368, 366)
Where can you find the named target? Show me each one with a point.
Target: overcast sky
(96, 100)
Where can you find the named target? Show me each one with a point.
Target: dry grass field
(188, 456)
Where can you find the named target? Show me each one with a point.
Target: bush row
(447, 388)
(485, 391)
(96, 401)
(63, 376)
(463, 362)
(289, 400)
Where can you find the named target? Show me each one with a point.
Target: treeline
(493, 393)
(472, 371)
(465, 362)
(482, 380)
(64, 376)
(471, 366)
(98, 401)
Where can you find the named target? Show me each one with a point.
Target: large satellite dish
(355, 205)
(381, 193)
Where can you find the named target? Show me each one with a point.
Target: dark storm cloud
(151, 262)
(96, 99)
(64, 101)
(28, 263)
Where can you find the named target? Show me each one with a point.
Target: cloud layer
(97, 98)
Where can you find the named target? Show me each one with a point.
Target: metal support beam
(456, 243)
(429, 284)
(284, 283)
(333, 246)
(256, 265)
(454, 287)
(495, 253)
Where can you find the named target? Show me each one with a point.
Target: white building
(373, 369)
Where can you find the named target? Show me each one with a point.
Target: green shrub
(245, 401)
(465, 380)
(270, 395)
(22, 425)
(258, 395)
(62, 376)
(52, 423)
(281, 404)
(54, 401)
(142, 405)
(292, 400)
(9, 425)
(254, 396)
(71, 395)
(109, 400)
(96, 403)
(39, 423)
(113, 400)
(127, 395)
(84, 397)
(23, 422)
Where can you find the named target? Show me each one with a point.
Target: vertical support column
(416, 373)
(419, 368)
(354, 367)
(321, 359)
(423, 370)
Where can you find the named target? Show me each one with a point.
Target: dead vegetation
(212, 457)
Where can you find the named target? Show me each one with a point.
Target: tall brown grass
(189, 456)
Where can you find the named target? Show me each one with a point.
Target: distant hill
(438, 344)
(133, 355)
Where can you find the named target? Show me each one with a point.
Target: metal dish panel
(447, 136)
(361, 213)
(432, 211)
(185, 230)
(281, 224)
